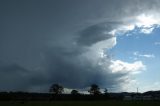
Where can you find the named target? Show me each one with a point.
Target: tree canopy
(94, 89)
(56, 89)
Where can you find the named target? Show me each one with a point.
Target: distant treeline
(56, 93)
(22, 96)
(26, 96)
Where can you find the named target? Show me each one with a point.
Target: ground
(81, 103)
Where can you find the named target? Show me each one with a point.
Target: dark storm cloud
(39, 44)
(13, 77)
(17, 78)
(97, 33)
(74, 71)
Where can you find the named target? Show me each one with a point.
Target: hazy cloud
(157, 43)
(144, 55)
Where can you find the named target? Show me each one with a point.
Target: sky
(112, 43)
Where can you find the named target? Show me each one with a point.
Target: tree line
(93, 90)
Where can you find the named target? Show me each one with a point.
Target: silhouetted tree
(94, 89)
(74, 92)
(56, 89)
(106, 91)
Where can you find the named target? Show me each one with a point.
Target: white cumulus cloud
(125, 67)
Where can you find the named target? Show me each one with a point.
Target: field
(81, 103)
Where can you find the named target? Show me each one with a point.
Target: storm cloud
(64, 41)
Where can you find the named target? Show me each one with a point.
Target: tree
(74, 92)
(56, 89)
(94, 89)
(106, 91)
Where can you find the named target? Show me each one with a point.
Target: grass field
(81, 103)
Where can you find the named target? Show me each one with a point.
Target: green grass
(81, 103)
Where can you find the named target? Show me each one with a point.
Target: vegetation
(56, 97)
(74, 92)
(56, 89)
(81, 103)
(94, 89)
